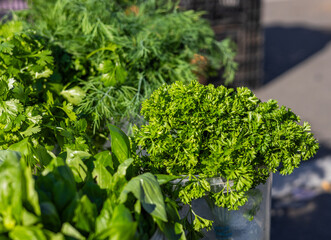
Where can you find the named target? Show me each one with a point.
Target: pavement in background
(298, 75)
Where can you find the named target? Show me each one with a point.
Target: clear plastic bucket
(250, 222)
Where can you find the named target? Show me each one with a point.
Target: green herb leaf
(74, 95)
(6, 47)
(25, 232)
(120, 144)
(103, 162)
(75, 162)
(85, 215)
(163, 178)
(146, 189)
(70, 231)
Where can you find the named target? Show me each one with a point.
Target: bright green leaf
(70, 231)
(32, 129)
(85, 215)
(103, 221)
(120, 144)
(147, 190)
(29, 194)
(74, 95)
(68, 109)
(121, 226)
(119, 176)
(100, 172)
(75, 162)
(29, 219)
(27, 233)
(10, 190)
(164, 178)
(6, 47)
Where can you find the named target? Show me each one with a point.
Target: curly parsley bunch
(203, 132)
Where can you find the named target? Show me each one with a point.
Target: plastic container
(238, 224)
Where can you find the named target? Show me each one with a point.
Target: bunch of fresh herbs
(83, 196)
(201, 132)
(34, 112)
(120, 51)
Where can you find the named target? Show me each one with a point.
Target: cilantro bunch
(201, 132)
(24, 62)
(24, 66)
(34, 115)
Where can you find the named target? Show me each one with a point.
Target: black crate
(239, 20)
(11, 5)
(6, 5)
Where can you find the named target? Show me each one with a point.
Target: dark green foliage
(195, 130)
(34, 115)
(123, 50)
(82, 67)
(78, 196)
(24, 66)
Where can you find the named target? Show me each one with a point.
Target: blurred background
(284, 53)
(297, 58)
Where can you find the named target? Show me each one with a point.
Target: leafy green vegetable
(143, 188)
(22, 62)
(11, 193)
(74, 95)
(34, 117)
(103, 169)
(81, 196)
(67, 70)
(19, 200)
(70, 231)
(203, 132)
(117, 53)
(31, 233)
(119, 143)
(121, 225)
(85, 215)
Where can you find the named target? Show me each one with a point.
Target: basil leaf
(121, 226)
(28, 233)
(70, 231)
(147, 190)
(120, 144)
(103, 162)
(85, 215)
